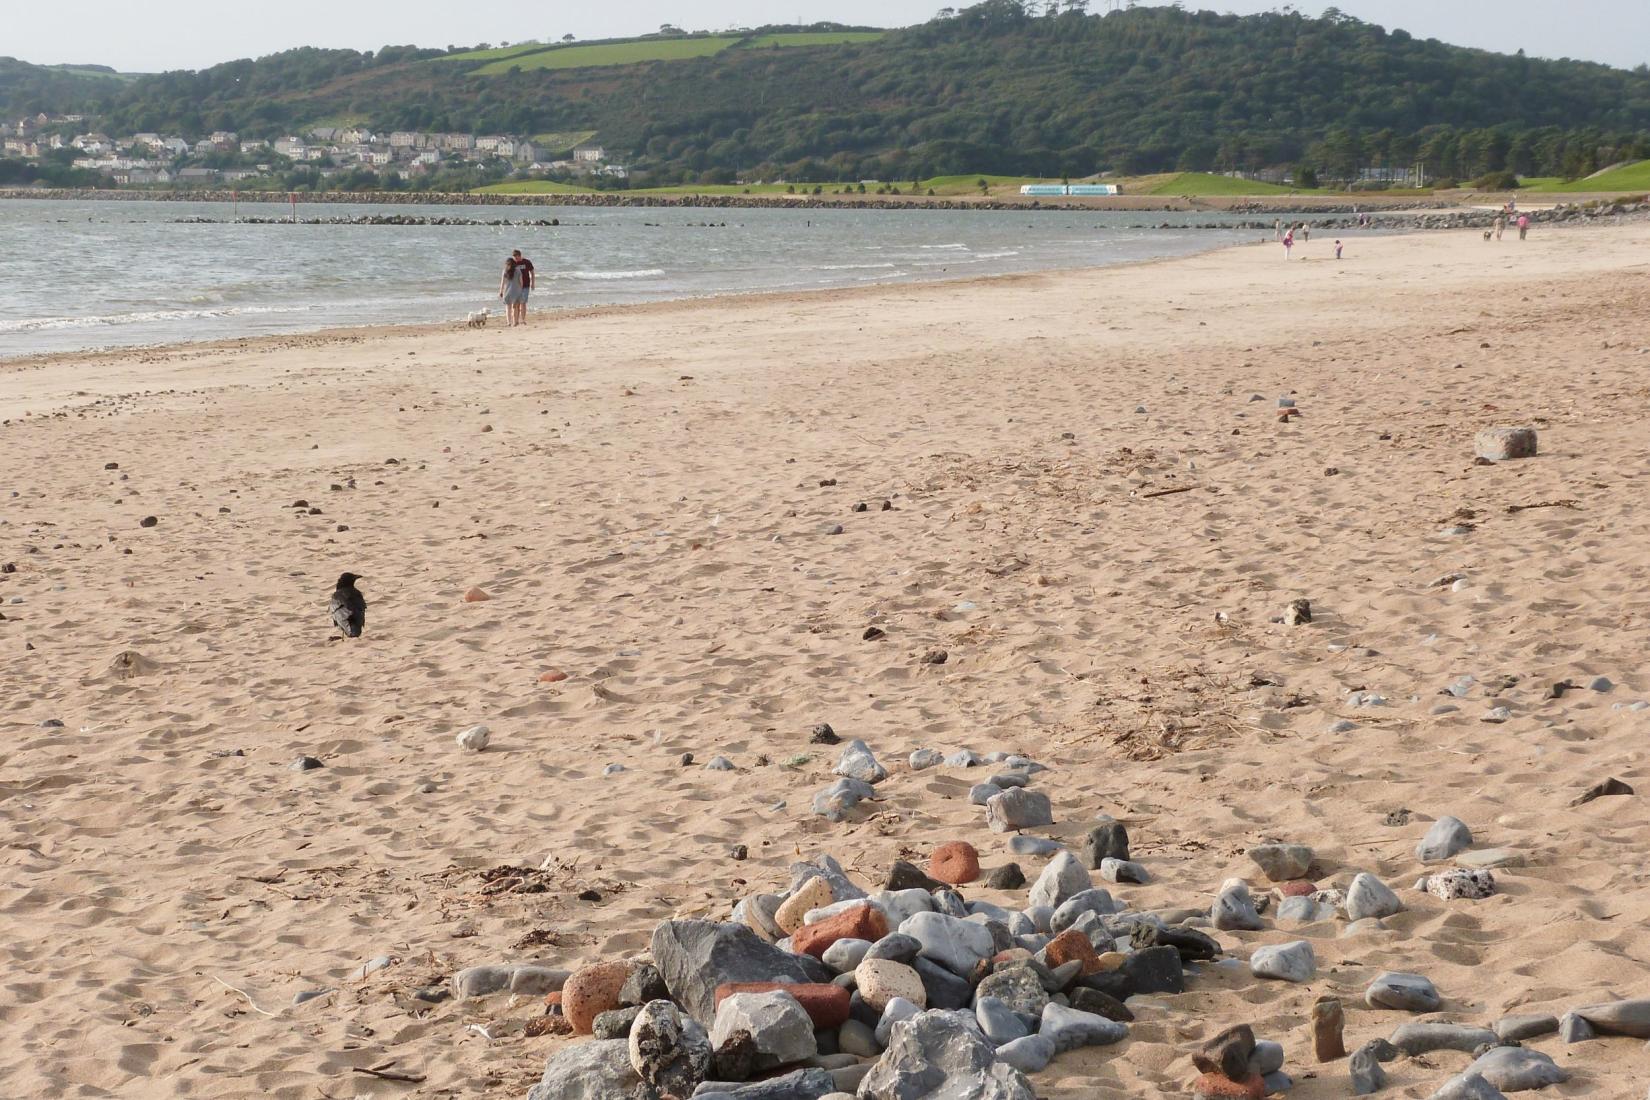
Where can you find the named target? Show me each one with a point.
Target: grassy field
(495, 55)
(561, 141)
(1205, 184)
(815, 38)
(1633, 177)
(610, 53)
(532, 187)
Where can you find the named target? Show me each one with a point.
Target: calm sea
(82, 275)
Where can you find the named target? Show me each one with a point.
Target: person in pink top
(1288, 243)
(1523, 226)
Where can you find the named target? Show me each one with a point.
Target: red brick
(1215, 1086)
(826, 1004)
(1069, 945)
(1298, 889)
(862, 922)
(956, 863)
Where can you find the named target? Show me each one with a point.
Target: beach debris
(823, 734)
(305, 764)
(552, 676)
(474, 739)
(1607, 788)
(476, 595)
(1505, 444)
(1298, 613)
(1460, 884)
(148, 521)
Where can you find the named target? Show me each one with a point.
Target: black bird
(349, 607)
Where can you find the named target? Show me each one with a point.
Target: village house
(588, 153)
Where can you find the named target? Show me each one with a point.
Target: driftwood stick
(1514, 509)
(1169, 492)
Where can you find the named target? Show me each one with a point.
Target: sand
(646, 513)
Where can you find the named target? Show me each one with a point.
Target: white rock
(1368, 896)
(1063, 878)
(1290, 962)
(474, 739)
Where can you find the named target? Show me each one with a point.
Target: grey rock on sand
(1368, 896)
(1405, 992)
(1071, 1029)
(1365, 1070)
(696, 956)
(1518, 1069)
(1505, 444)
(1415, 1039)
(939, 1056)
(858, 762)
(1063, 878)
(597, 1070)
(1282, 862)
(778, 1026)
(1630, 1018)
(1234, 908)
(1018, 808)
(1447, 836)
(1289, 962)
(1468, 1086)
(669, 1051)
(1530, 1026)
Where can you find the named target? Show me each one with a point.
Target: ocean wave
(852, 267)
(945, 247)
(41, 324)
(609, 276)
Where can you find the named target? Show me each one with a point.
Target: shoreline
(1105, 490)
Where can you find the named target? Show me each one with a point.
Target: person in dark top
(524, 267)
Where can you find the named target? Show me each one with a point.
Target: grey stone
(1005, 780)
(834, 802)
(1488, 859)
(777, 1024)
(1063, 878)
(812, 1083)
(1630, 1018)
(1518, 1069)
(1468, 1086)
(1415, 1039)
(1447, 836)
(1071, 1029)
(1282, 862)
(1106, 841)
(759, 913)
(1007, 877)
(897, 1009)
(896, 946)
(981, 793)
(1234, 909)
(1152, 970)
(615, 1023)
(1029, 1055)
(1515, 1029)
(1405, 992)
(1602, 684)
(1267, 1058)
(695, 956)
(597, 1070)
(1277, 1082)
(1016, 987)
(939, 1056)
(943, 988)
(669, 1051)
(957, 945)
(845, 954)
(643, 985)
(479, 981)
(1365, 1070)
(1505, 444)
(1574, 1029)
(826, 867)
(1040, 916)
(719, 764)
(901, 905)
(1122, 870)
(858, 1039)
(949, 903)
(923, 759)
(1096, 901)
(1000, 1023)
(1018, 808)
(1084, 999)
(1368, 896)
(1289, 962)
(1304, 910)
(307, 995)
(963, 758)
(1033, 846)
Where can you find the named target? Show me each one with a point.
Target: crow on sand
(349, 607)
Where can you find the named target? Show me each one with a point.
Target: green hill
(989, 89)
(1631, 177)
(55, 89)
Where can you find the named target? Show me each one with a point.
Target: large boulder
(777, 1024)
(803, 1084)
(696, 956)
(597, 1070)
(942, 1056)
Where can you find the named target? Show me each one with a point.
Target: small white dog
(478, 319)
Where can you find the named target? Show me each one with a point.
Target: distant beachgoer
(510, 289)
(1500, 226)
(1277, 229)
(1306, 232)
(1523, 226)
(1288, 243)
(1337, 250)
(529, 280)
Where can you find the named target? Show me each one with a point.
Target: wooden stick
(390, 1075)
(1169, 492)
(245, 994)
(1514, 509)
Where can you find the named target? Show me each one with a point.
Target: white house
(291, 147)
(176, 146)
(589, 153)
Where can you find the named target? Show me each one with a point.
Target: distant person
(1288, 243)
(1500, 225)
(529, 280)
(1306, 232)
(1337, 250)
(1277, 229)
(510, 289)
(1523, 227)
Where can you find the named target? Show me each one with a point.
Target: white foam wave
(611, 276)
(41, 324)
(853, 267)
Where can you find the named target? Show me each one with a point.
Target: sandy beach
(647, 496)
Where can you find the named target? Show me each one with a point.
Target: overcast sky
(170, 34)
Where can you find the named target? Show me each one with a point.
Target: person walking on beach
(1288, 243)
(1277, 229)
(1337, 250)
(529, 280)
(1523, 226)
(509, 288)
(1500, 225)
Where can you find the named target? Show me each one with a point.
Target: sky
(169, 34)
